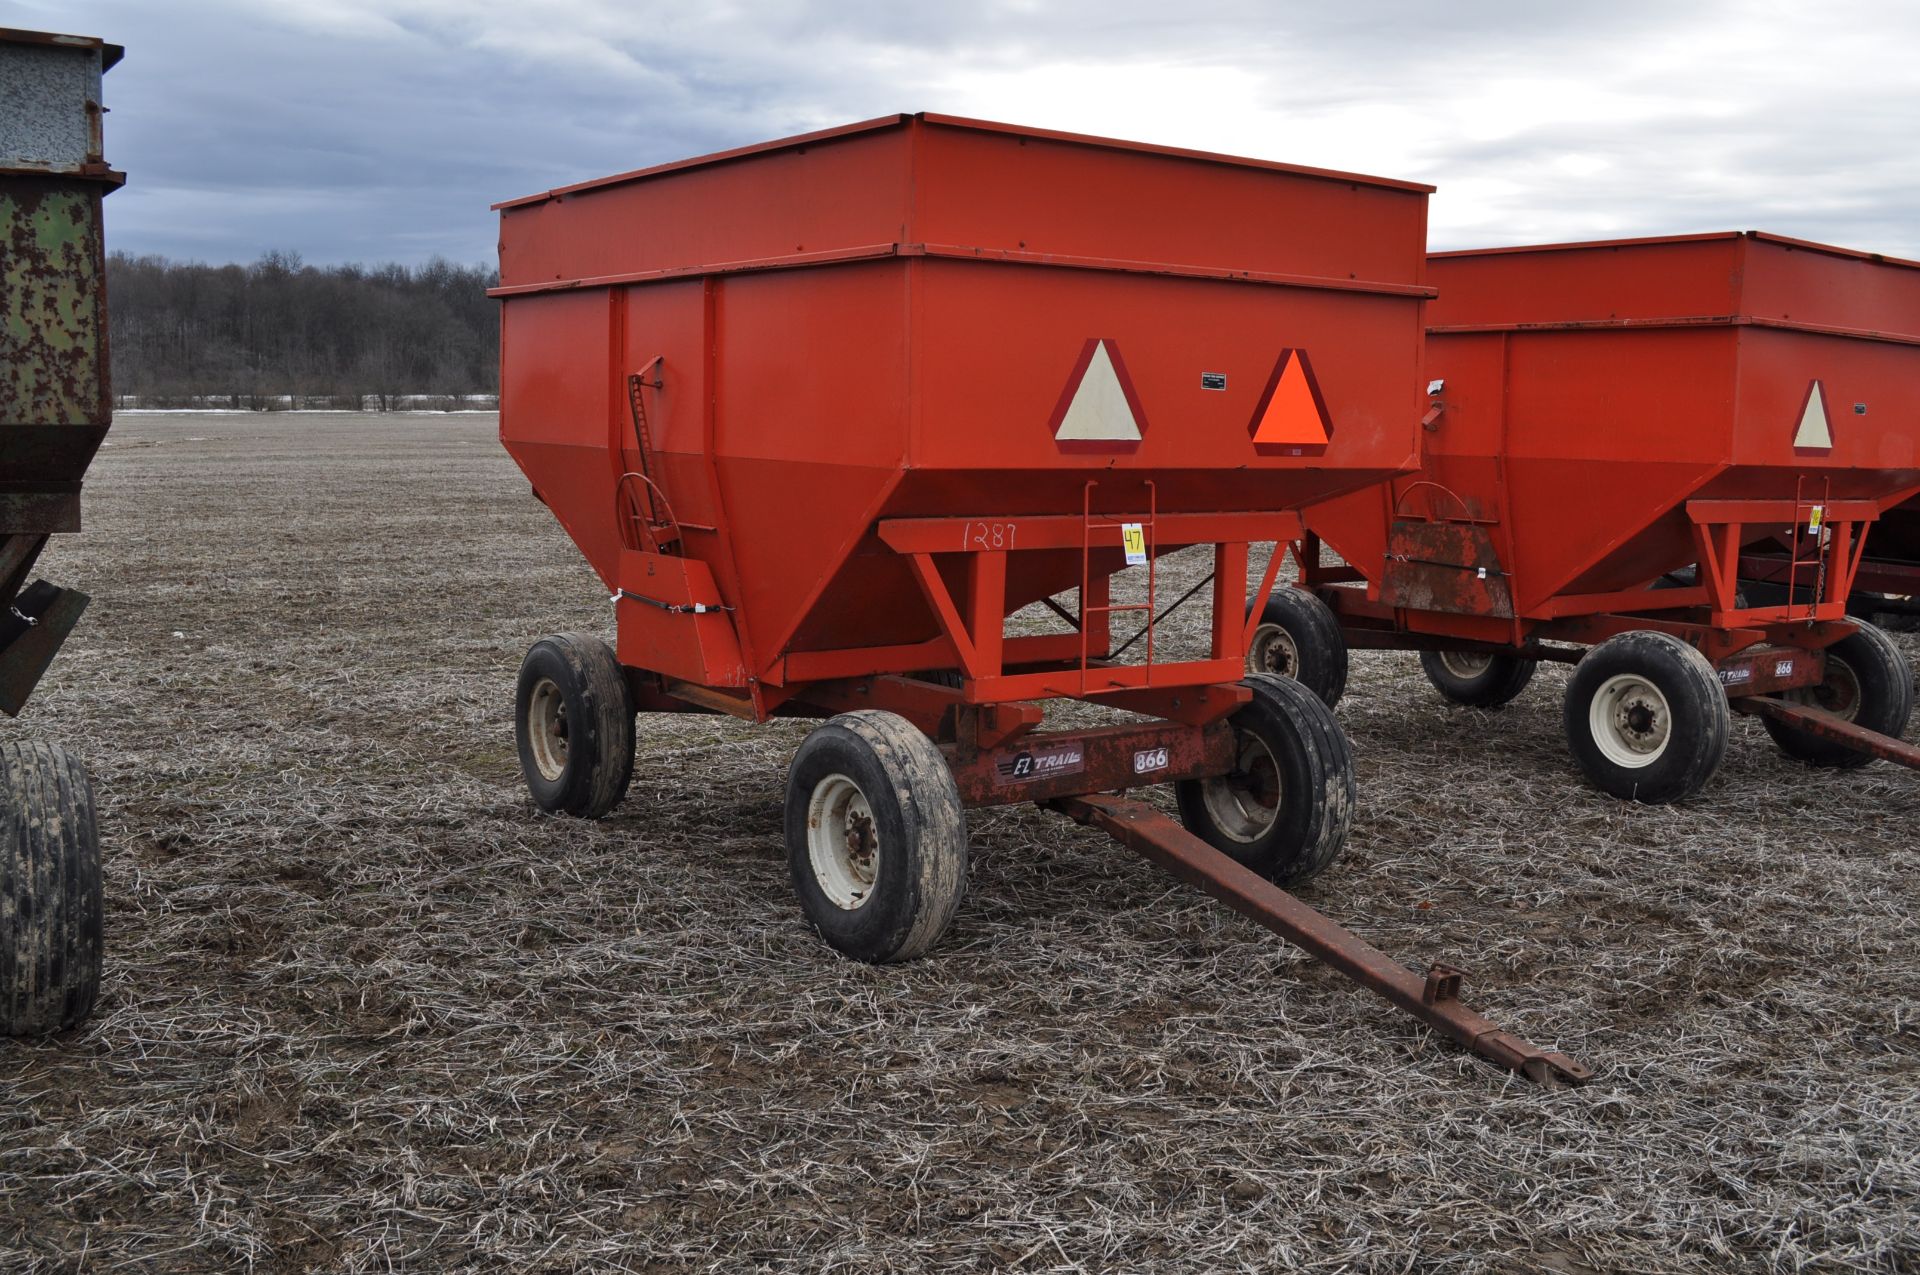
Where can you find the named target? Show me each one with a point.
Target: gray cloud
(356, 129)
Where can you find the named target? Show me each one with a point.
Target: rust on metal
(1432, 998)
(1444, 566)
(55, 397)
(1763, 670)
(1820, 723)
(1443, 984)
(1042, 766)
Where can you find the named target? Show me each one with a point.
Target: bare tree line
(280, 332)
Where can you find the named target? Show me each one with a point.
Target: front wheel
(1868, 683)
(1285, 808)
(1477, 679)
(876, 836)
(573, 722)
(1646, 718)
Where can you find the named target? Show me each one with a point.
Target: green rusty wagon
(55, 406)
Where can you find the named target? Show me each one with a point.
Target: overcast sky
(381, 129)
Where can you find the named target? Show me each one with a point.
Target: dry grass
(367, 1010)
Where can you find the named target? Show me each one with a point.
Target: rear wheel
(50, 891)
(1477, 679)
(876, 836)
(1868, 683)
(1298, 636)
(1286, 807)
(1646, 717)
(573, 721)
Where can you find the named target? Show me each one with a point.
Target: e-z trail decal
(1040, 763)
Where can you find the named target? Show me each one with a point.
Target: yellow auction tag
(1816, 517)
(1133, 538)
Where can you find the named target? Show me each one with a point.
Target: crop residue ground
(367, 1010)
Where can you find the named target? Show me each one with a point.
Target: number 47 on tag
(1133, 538)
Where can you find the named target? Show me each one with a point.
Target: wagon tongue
(1434, 999)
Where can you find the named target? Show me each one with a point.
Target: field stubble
(367, 1010)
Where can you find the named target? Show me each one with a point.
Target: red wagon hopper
(1609, 424)
(824, 413)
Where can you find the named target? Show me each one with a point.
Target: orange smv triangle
(1292, 417)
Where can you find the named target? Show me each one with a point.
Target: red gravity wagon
(1608, 426)
(823, 413)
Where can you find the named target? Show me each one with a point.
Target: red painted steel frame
(1705, 614)
(990, 707)
(975, 633)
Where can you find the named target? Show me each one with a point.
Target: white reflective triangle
(1099, 411)
(1814, 433)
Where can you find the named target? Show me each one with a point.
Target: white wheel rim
(1465, 665)
(1630, 721)
(547, 729)
(843, 842)
(1246, 804)
(1273, 651)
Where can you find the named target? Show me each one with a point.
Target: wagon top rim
(1761, 236)
(904, 119)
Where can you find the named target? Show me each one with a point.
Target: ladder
(1808, 541)
(1089, 524)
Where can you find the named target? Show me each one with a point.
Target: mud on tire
(1646, 718)
(50, 891)
(573, 723)
(1297, 635)
(876, 836)
(1287, 806)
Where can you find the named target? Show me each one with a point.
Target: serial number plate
(1148, 760)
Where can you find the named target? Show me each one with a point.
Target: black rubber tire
(50, 891)
(920, 869)
(1318, 657)
(1504, 677)
(595, 726)
(1313, 761)
(1698, 720)
(1871, 687)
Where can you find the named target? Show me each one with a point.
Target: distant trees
(280, 327)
